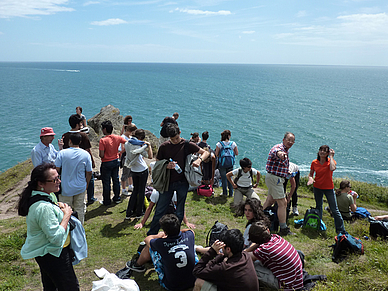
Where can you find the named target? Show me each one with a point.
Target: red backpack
(205, 190)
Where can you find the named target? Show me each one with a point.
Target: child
(244, 180)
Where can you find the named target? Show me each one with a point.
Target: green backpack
(311, 219)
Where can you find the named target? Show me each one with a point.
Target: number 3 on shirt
(183, 259)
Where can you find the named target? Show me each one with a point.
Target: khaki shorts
(275, 186)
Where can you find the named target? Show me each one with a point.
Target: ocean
(343, 107)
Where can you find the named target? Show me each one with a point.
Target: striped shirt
(275, 165)
(283, 260)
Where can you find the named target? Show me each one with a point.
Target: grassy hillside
(112, 241)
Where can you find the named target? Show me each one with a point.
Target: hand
(190, 225)
(147, 143)
(138, 226)
(171, 165)
(211, 182)
(254, 185)
(234, 186)
(60, 144)
(217, 245)
(331, 153)
(66, 209)
(281, 155)
(197, 163)
(310, 181)
(354, 194)
(288, 197)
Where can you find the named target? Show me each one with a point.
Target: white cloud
(202, 12)
(347, 30)
(91, 3)
(112, 21)
(248, 32)
(301, 13)
(25, 8)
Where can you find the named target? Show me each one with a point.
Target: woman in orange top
(323, 166)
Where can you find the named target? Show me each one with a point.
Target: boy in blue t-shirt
(172, 253)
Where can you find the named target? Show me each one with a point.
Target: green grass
(13, 175)
(112, 241)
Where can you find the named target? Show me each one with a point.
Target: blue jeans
(181, 188)
(136, 202)
(332, 201)
(110, 170)
(90, 189)
(225, 183)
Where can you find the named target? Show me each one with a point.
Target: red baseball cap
(46, 131)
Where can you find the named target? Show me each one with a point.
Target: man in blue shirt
(44, 151)
(75, 166)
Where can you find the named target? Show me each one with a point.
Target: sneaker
(295, 210)
(133, 266)
(91, 201)
(124, 192)
(130, 188)
(139, 215)
(117, 201)
(285, 231)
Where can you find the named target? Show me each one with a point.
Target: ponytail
(38, 174)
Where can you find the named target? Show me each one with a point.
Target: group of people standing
(224, 263)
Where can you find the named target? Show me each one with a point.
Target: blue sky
(340, 32)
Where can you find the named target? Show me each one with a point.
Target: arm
(122, 130)
(149, 150)
(353, 207)
(213, 157)
(204, 155)
(210, 266)
(67, 211)
(36, 158)
(88, 178)
(60, 144)
(332, 162)
(251, 248)
(189, 225)
(146, 215)
(235, 150)
(217, 151)
(258, 175)
(311, 178)
(229, 177)
(91, 156)
(101, 154)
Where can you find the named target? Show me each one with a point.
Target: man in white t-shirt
(243, 182)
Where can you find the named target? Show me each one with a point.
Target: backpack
(226, 155)
(193, 174)
(215, 233)
(312, 219)
(378, 228)
(361, 212)
(346, 244)
(205, 190)
(239, 174)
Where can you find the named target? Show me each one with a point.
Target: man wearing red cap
(44, 151)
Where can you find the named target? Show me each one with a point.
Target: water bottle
(177, 168)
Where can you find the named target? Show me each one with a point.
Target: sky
(306, 32)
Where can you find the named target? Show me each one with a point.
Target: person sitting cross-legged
(230, 270)
(172, 253)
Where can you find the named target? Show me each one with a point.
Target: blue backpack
(346, 244)
(226, 155)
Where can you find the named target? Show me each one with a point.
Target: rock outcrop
(112, 113)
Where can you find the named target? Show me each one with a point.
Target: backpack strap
(39, 197)
(251, 172)
(239, 174)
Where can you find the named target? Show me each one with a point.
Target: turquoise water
(344, 107)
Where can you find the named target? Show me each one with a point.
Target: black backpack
(215, 233)
(378, 228)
